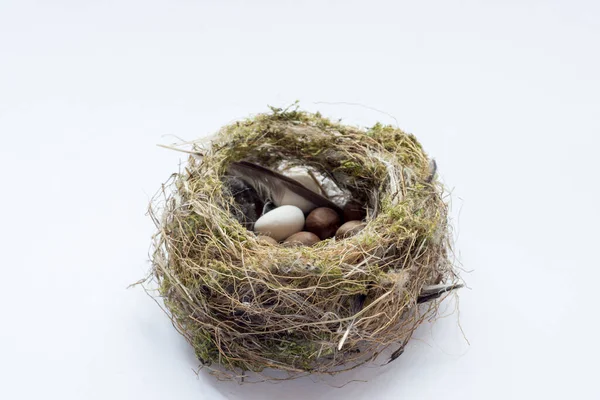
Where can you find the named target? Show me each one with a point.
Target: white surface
(504, 94)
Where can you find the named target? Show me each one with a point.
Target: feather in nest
(280, 189)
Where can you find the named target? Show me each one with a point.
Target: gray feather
(272, 185)
(433, 170)
(433, 292)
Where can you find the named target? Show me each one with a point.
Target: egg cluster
(287, 224)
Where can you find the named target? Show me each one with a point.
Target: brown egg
(350, 228)
(354, 211)
(301, 239)
(323, 222)
(266, 239)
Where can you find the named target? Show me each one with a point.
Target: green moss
(204, 347)
(293, 350)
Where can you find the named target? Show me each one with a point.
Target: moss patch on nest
(247, 305)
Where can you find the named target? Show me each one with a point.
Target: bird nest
(250, 305)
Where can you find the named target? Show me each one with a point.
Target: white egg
(281, 222)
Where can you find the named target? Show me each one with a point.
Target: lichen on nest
(248, 305)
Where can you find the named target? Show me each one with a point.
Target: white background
(504, 94)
